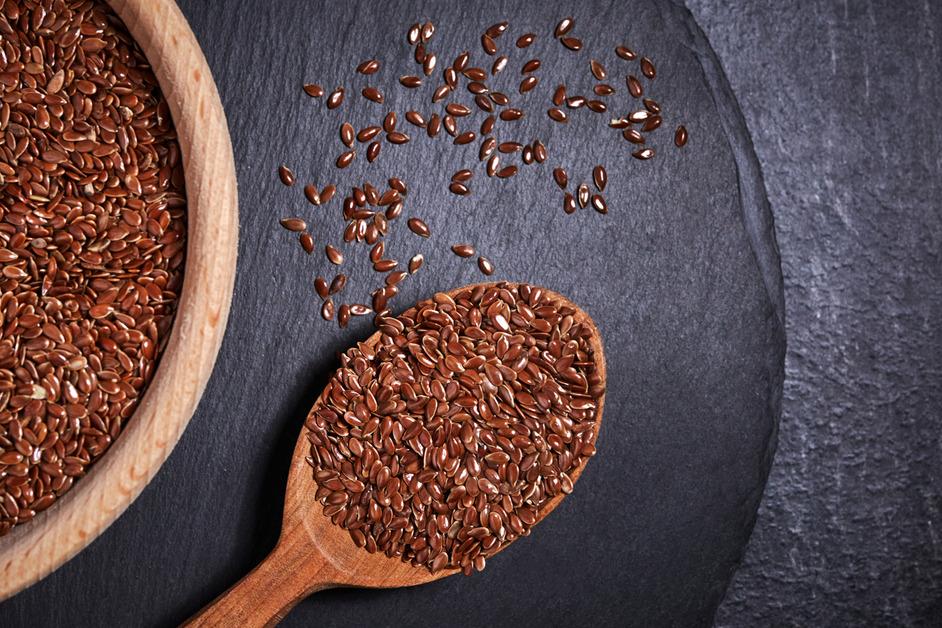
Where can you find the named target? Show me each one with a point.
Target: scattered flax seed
(327, 310)
(369, 66)
(557, 115)
(599, 177)
(485, 266)
(598, 203)
(343, 315)
(410, 82)
(310, 193)
(334, 256)
(463, 250)
(335, 99)
(293, 224)
(499, 64)
(569, 203)
(634, 86)
(416, 262)
(598, 70)
(561, 178)
(583, 196)
(525, 40)
(626, 53)
(644, 153)
(488, 44)
(307, 242)
(345, 159)
(647, 68)
(358, 309)
(633, 136)
(559, 96)
(496, 30)
(572, 43)
(346, 134)
(372, 152)
(321, 287)
(313, 90)
(389, 122)
(286, 175)
(418, 227)
(397, 137)
(506, 172)
(680, 136)
(458, 188)
(528, 83)
(372, 94)
(564, 26)
(337, 283)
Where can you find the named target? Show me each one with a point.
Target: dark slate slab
(848, 532)
(681, 276)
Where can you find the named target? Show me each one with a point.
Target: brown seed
(596, 106)
(458, 188)
(600, 178)
(428, 65)
(619, 123)
(511, 114)
(485, 266)
(528, 83)
(506, 172)
(574, 102)
(564, 26)
(626, 53)
(311, 89)
(487, 126)
(399, 185)
(569, 203)
(487, 43)
(475, 74)
(457, 110)
(500, 98)
(539, 151)
(483, 103)
(633, 136)
(461, 61)
(367, 133)
(343, 315)
(337, 283)
(370, 66)
(527, 155)
(583, 196)
(389, 122)
(372, 151)
(335, 99)
(557, 115)
(651, 105)
(415, 32)
(651, 123)
(346, 134)
(603, 89)
(463, 250)
(680, 136)
(462, 176)
(418, 227)
(499, 64)
(397, 137)
(310, 192)
(334, 256)
(644, 153)
(428, 29)
(559, 96)
(530, 66)
(440, 92)
(451, 126)
(410, 81)
(496, 30)
(572, 43)
(286, 176)
(327, 310)
(634, 86)
(477, 88)
(307, 242)
(373, 94)
(598, 203)
(345, 159)
(321, 287)
(647, 68)
(509, 147)
(525, 40)
(598, 70)
(358, 309)
(493, 163)
(561, 178)
(415, 118)
(416, 262)
(293, 224)
(434, 125)
(465, 138)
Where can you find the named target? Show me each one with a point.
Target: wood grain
(34, 550)
(313, 554)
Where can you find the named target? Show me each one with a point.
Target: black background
(851, 168)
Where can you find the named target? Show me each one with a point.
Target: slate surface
(842, 100)
(681, 276)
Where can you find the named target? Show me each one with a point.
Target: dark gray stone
(842, 100)
(682, 277)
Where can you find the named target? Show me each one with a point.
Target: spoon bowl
(313, 553)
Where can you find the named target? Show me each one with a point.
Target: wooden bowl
(35, 549)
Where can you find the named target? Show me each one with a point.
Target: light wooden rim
(35, 549)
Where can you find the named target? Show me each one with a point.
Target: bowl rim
(34, 550)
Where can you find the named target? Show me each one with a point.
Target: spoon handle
(265, 596)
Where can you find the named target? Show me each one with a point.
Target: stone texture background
(842, 100)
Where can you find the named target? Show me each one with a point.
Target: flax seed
(313, 90)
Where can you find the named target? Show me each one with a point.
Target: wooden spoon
(313, 554)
